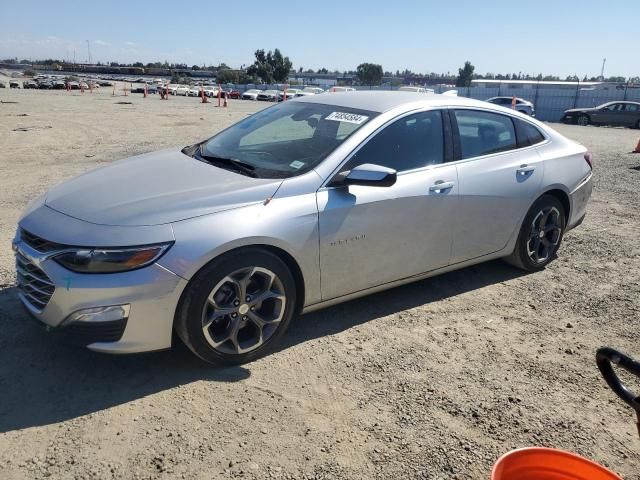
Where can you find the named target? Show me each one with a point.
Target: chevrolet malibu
(302, 205)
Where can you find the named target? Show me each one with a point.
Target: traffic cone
(637, 150)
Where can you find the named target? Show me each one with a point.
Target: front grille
(39, 243)
(34, 285)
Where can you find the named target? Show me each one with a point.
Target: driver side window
(414, 141)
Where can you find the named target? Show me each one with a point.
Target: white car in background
(289, 92)
(341, 89)
(210, 90)
(309, 91)
(416, 89)
(181, 90)
(194, 91)
(251, 94)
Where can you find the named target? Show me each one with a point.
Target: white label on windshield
(297, 164)
(347, 117)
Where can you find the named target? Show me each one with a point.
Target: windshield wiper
(239, 165)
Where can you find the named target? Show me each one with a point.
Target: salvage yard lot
(431, 380)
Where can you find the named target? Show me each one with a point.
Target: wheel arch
(289, 260)
(563, 197)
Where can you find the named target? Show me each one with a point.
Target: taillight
(589, 159)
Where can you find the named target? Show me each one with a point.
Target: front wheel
(237, 307)
(583, 120)
(540, 235)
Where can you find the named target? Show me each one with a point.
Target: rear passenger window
(528, 134)
(483, 133)
(412, 142)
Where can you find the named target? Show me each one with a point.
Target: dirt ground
(433, 380)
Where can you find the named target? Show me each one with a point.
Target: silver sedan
(302, 205)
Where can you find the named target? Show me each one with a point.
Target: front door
(374, 235)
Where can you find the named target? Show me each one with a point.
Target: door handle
(525, 169)
(441, 186)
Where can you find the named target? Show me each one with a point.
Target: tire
(638, 125)
(584, 120)
(233, 335)
(537, 247)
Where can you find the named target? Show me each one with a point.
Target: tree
(465, 75)
(323, 70)
(270, 67)
(369, 74)
(227, 76)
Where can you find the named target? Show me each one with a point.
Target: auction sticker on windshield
(347, 117)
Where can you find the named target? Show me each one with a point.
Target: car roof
(382, 101)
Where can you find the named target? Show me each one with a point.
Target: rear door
(374, 235)
(631, 114)
(498, 177)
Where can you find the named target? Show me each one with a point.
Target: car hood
(156, 188)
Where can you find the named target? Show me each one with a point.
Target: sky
(560, 37)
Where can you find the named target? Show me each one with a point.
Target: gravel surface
(433, 380)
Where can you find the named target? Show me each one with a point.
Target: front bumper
(151, 293)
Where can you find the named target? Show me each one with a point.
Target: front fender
(291, 226)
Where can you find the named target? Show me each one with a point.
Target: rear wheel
(237, 307)
(540, 235)
(584, 120)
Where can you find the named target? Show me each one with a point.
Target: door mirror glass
(367, 174)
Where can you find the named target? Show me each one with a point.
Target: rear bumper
(579, 199)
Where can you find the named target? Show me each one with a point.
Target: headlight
(111, 260)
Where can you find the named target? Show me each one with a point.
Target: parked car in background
(211, 90)
(235, 94)
(268, 95)
(181, 90)
(105, 83)
(307, 204)
(622, 114)
(290, 93)
(522, 105)
(194, 91)
(2, 85)
(29, 84)
(415, 89)
(59, 85)
(251, 94)
(45, 84)
(309, 91)
(14, 84)
(341, 89)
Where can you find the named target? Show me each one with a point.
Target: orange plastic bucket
(538, 463)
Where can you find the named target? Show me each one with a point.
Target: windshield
(287, 139)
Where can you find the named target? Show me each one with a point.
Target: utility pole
(604, 60)
(89, 51)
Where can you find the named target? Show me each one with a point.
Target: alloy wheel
(583, 120)
(243, 310)
(546, 230)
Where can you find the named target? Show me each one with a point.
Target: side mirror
(366, 174)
